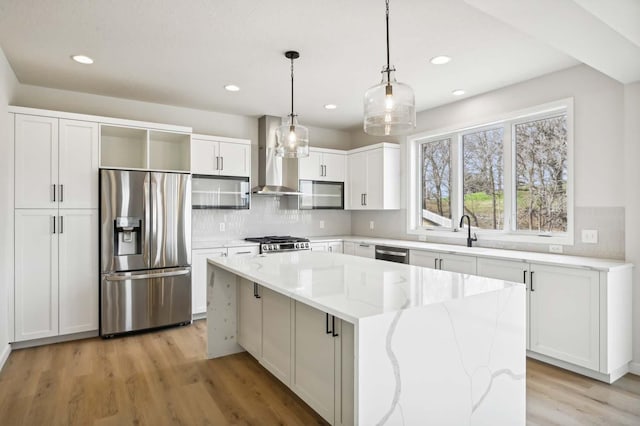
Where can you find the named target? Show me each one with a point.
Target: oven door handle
(392, 253)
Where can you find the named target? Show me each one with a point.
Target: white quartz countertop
(353, 288)
(523, 256)
(213, 244)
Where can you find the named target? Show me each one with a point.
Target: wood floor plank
(164, 378)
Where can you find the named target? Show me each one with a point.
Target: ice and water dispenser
(127, 236)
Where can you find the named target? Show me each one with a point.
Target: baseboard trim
(55, 339)
(5, 355)
(199, 316)
(634, 367)
(603, 377)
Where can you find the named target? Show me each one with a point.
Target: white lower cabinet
(319, 247)
(563, 309)
(443, 261)
(365, 250)
(249, 318)
(276, 333)
(199, 272)
(335, 246)
(349, 248)
(56, 272)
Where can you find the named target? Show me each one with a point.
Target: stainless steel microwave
(318, 195)
(220, 192)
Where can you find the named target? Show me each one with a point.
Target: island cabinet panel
(564, 314)
(344, 375)
(199, 277)
(249, 318)
(276, 333)
(443, 261)
(313, 376)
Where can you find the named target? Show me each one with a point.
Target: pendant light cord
(388, 61)
(292, 89)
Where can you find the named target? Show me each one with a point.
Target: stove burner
(274, 244)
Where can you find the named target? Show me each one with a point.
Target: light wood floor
(163, 378)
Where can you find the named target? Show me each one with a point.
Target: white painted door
(36, 274)
(457, 263)
(319, 247)
(357, 182)
(78, 165)
(374, 199)
(314, 360)
(426, 259)
(276, 334)
(349, 248)
(310, 168)
(565, 319)
(250, 317)
(335, 246)
(335, 166)
(365, 250)
(199, 277)
(508, 270)
(235, 159)
(204, 157)
(36, 162)
(78, 270)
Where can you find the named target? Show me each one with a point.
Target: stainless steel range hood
(276, 176)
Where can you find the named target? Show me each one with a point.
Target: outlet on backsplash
(590, 236)
(371, 224)
(555, 248)
(222, 226)
(322, 224)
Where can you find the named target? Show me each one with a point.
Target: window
(512, 177)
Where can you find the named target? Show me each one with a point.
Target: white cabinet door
(335, 247)
(457, 263)
(235, 159)
(36, 161)
(250, 318)
(357, 184)
(78, 270)
(335, 166)
(344, 375)
(243, 251)
(314, 360)
(365, 250)
(78, 165)
(565, 314)
(373, 199)
(199, 277)
(36, 274)
(204, 157)
(426, 259)
(276, 334)
(508, 270)
(319, 247)
(310, 168)
(349, 248)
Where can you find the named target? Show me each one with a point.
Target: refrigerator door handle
(146, 237)
(129, 276)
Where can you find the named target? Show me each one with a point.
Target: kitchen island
(371, 342)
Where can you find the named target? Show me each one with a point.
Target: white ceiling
(183, 53)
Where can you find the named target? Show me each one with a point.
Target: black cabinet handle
(61, 193)
(256, 294)
(531, 280)
(61, 224)
(54, 192)
(54, 223)
(326, 324)
(440, 264)
(333, 326)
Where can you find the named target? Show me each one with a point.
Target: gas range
(275, 244)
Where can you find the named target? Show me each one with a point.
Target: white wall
(8, 85)
(632, 190)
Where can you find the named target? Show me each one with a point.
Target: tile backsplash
(269, 215)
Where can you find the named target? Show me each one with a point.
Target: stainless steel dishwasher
(392, 254)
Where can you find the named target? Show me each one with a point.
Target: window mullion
(509, 177)
(457, 181)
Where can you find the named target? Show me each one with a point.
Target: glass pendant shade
(389, 107)
(292, 139)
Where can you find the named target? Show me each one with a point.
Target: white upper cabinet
(56, 163)
(220, 156)
(36, 161)
(323, 165)
(78, 165)
(374, 178)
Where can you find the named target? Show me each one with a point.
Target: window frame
(508, 121)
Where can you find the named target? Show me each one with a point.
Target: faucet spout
(469, 239)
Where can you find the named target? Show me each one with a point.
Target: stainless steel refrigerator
(145, 250)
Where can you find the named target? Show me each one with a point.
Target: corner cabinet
(373, 178)
(219, 156)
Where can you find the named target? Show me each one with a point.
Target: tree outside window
(436, 183)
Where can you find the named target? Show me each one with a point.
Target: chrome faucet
(469, 239)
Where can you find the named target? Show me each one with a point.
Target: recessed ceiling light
(82, 59)
(458, 92)
(440, 60)
(330, 106)
(231, 88)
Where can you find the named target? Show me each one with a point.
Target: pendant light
(389, 107)
(292, 139)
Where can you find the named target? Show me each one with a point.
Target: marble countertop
(353, 288)
(516, 255)
(213, 244)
